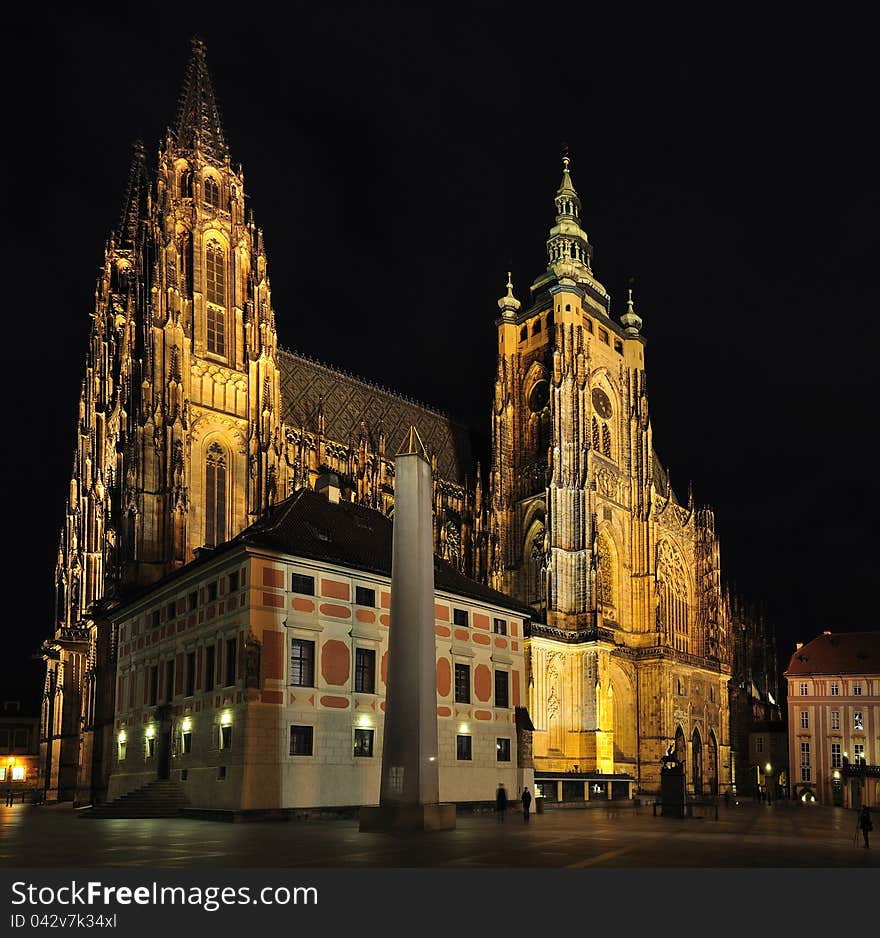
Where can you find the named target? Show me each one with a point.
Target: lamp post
(768, 781)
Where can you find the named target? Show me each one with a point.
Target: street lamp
(768, 780)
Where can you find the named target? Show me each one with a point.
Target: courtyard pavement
(745, 835)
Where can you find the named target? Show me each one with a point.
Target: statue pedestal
(408, 817)
(672, 790)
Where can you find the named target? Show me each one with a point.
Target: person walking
(501, 802)
(9, 797)
(865, 824)
(526, 803)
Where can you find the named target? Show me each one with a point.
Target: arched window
(215, 293)
(186, 183)
(672, 596)
(536, 326)
(595, 434)
(606, 441)
(215, 496)
(212, 193)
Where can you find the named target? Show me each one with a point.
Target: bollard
(539, 804)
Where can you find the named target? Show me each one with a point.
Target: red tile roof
(838, 653)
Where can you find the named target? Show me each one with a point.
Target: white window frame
(835, 719)
(805, 719)
(858, 720)
(805, 689)
(835, 689)
(836, 757)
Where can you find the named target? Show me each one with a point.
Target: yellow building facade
(193, 422)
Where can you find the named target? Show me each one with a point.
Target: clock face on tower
(601, 403)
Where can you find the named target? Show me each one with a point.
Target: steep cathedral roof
(347, 402)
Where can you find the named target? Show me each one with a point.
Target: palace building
(196, 432)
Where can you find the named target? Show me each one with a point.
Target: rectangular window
(835, 719)
(857, 690)
(169, 679)
(216, 330)
(122, 749)
(857, 720)
(463, 748)
(836, 760)
(225, 736)
(501, 695)
(231, 655)
(603, 335)
(18, 773)
(171, 610)
(363, 743)
(364, 596)
(462, 683)
(233, 582)
(460, 617)
(302, 662)
(365, 670)
(835, 689)
(499, 627)
(804, 690)
(192, 601)
(2, 773)
(858, 753)
(221, 773)
(759, 744)
(210, 665)
(190, 673)
(212, 591)
(300, 583)
(186, 742)
(805, 719)
(154, 685)
(502, 750)
(151, 746)
(301, 740)
(806, 774)
(154, 619)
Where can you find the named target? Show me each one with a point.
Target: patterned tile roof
(348, 401)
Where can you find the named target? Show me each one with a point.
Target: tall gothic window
(595, 428)
(606, 441)
(186, 184)
(215, 293)
(672, 593)
(212, 193)
(215, 496)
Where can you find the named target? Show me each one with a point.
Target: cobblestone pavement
(746, 835)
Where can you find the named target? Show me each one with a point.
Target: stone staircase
(159, 798)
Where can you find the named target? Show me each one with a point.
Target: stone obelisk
(409, 793)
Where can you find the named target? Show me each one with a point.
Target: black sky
(400, 160)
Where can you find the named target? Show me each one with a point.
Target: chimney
(327, 484)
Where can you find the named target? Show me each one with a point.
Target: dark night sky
(400, 160)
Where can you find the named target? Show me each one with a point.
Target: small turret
(509, 304)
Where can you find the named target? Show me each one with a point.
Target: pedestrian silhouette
(865, 824)
(8, 797)
(526, 802)
(501, 802)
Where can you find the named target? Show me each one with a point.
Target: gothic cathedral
(193, 422)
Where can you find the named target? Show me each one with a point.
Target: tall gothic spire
(134, 205)
(198, 119)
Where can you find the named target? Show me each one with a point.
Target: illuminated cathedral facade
(193, 423)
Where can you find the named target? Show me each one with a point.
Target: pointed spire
(568, 247)
(509, 305)
(198, 118)
(134, 205)
(413, 445)
(630, 320)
